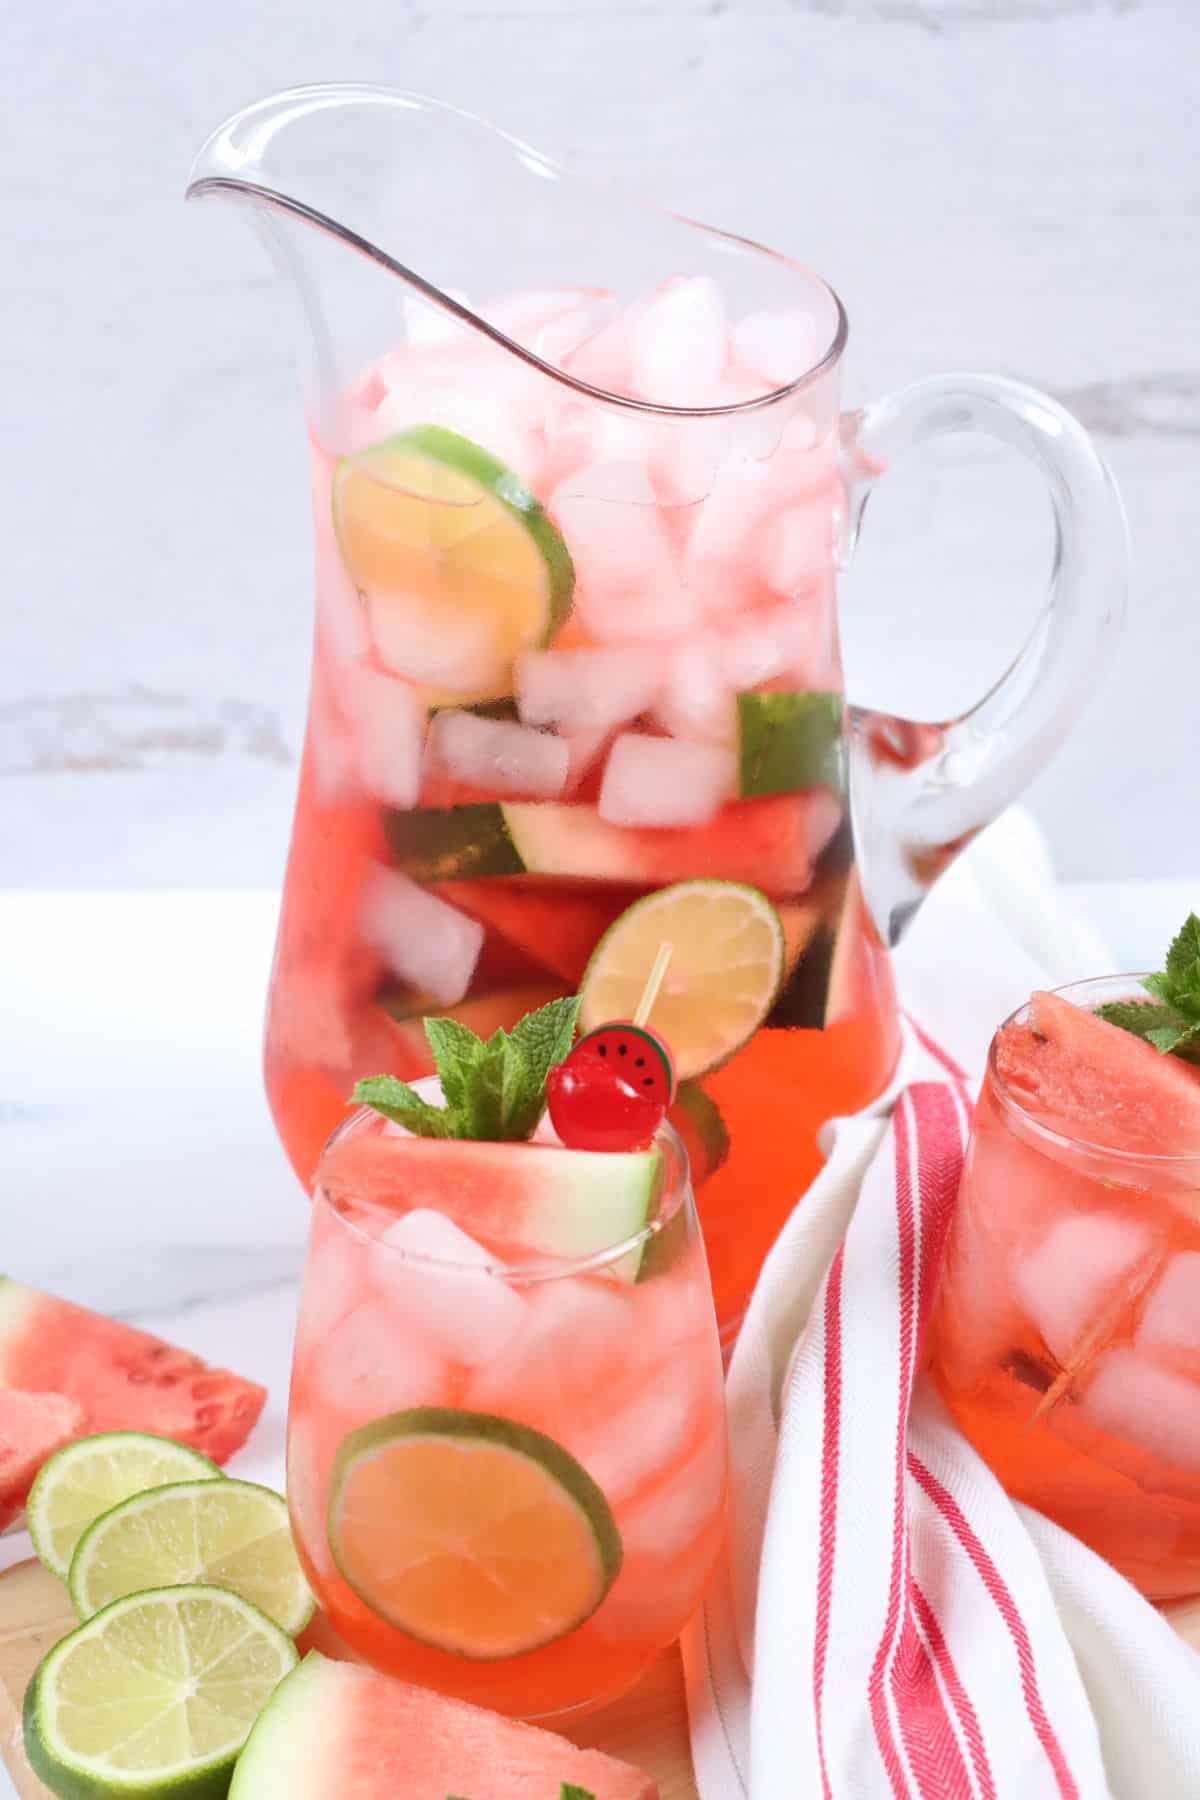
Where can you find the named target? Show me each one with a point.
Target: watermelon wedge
(117, 1378)
(531, 1198)
(1082, 1076)
(32, 1428)
(772, 843)
(333, 1729)
(556, 924)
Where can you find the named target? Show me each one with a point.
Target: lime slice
(155, 1696)
(458, 565)
(230, 1533)
(470, 1532)
(788, 742)
(96, 1473)
(727, 960)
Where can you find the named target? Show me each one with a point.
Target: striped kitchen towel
(886, 1623)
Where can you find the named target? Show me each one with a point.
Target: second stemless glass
(1067, 1337)
(546, 1381)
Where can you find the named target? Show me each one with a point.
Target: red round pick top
(613, 1089)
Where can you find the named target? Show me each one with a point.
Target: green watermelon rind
(572, 842)
(458, 1426)
(789, 741)
(307, 1734)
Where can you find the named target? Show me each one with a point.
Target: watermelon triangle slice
(332, 1729)
(104, 1376)
(32, 1428)
(1086, 1078)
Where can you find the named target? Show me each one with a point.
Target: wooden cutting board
(648, 1727)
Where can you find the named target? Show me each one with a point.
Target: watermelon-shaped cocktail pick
(613, 1090)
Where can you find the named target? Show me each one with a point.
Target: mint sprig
(1170, 1020)
(495, 1090)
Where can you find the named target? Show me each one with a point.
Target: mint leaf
(404, 1106)
(456, 1050)
(1161, 987)
(568, 1791)
(1170, 1037)
(1183, 961)
(494, 1092)
(482, 1106)
(540, 1040)
(1141, 1017)
(545, 1036)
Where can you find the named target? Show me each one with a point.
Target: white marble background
(1004, 183)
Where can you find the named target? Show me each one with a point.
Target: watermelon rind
(292, 1749)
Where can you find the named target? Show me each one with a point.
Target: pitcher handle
(920, 792)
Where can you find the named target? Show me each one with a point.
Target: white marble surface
(1001, 183)
(141, 1174)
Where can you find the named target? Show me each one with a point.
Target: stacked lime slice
(191, 1593)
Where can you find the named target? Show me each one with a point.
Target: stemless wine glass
(1067, 1336)
(506, 1462)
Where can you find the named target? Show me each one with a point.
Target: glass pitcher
(581, 489)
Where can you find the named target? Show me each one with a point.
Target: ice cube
(645, 1432)
(422, 940)
(584, 748)
(772, 642)
(1148, 1406)
(588, 690)
(335, 1275)
(377, 1362)
(779, 346)
(721, 546)
(433, 647)
(498, 754)
(796, 548)
(443, 1286)
(329, 742)
(1171, 1319)
(389, 724)
(697, 695)
(604, 359)
(562, 1370)
(552, 322)
(680, 343)
(628, 581)
(501, 409)
(665, 781)
(1068, 1280)
(666, 1522)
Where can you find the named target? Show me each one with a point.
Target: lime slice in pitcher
(469, 1531)
(458, 564)
(728, 950)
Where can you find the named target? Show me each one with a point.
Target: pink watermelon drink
(506, 1449)
(1067, 1338)
(568, 654)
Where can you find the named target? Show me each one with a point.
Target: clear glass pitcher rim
(290, 104)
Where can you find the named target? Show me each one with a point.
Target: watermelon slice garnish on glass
(74, 1372)
(1087, 1078)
